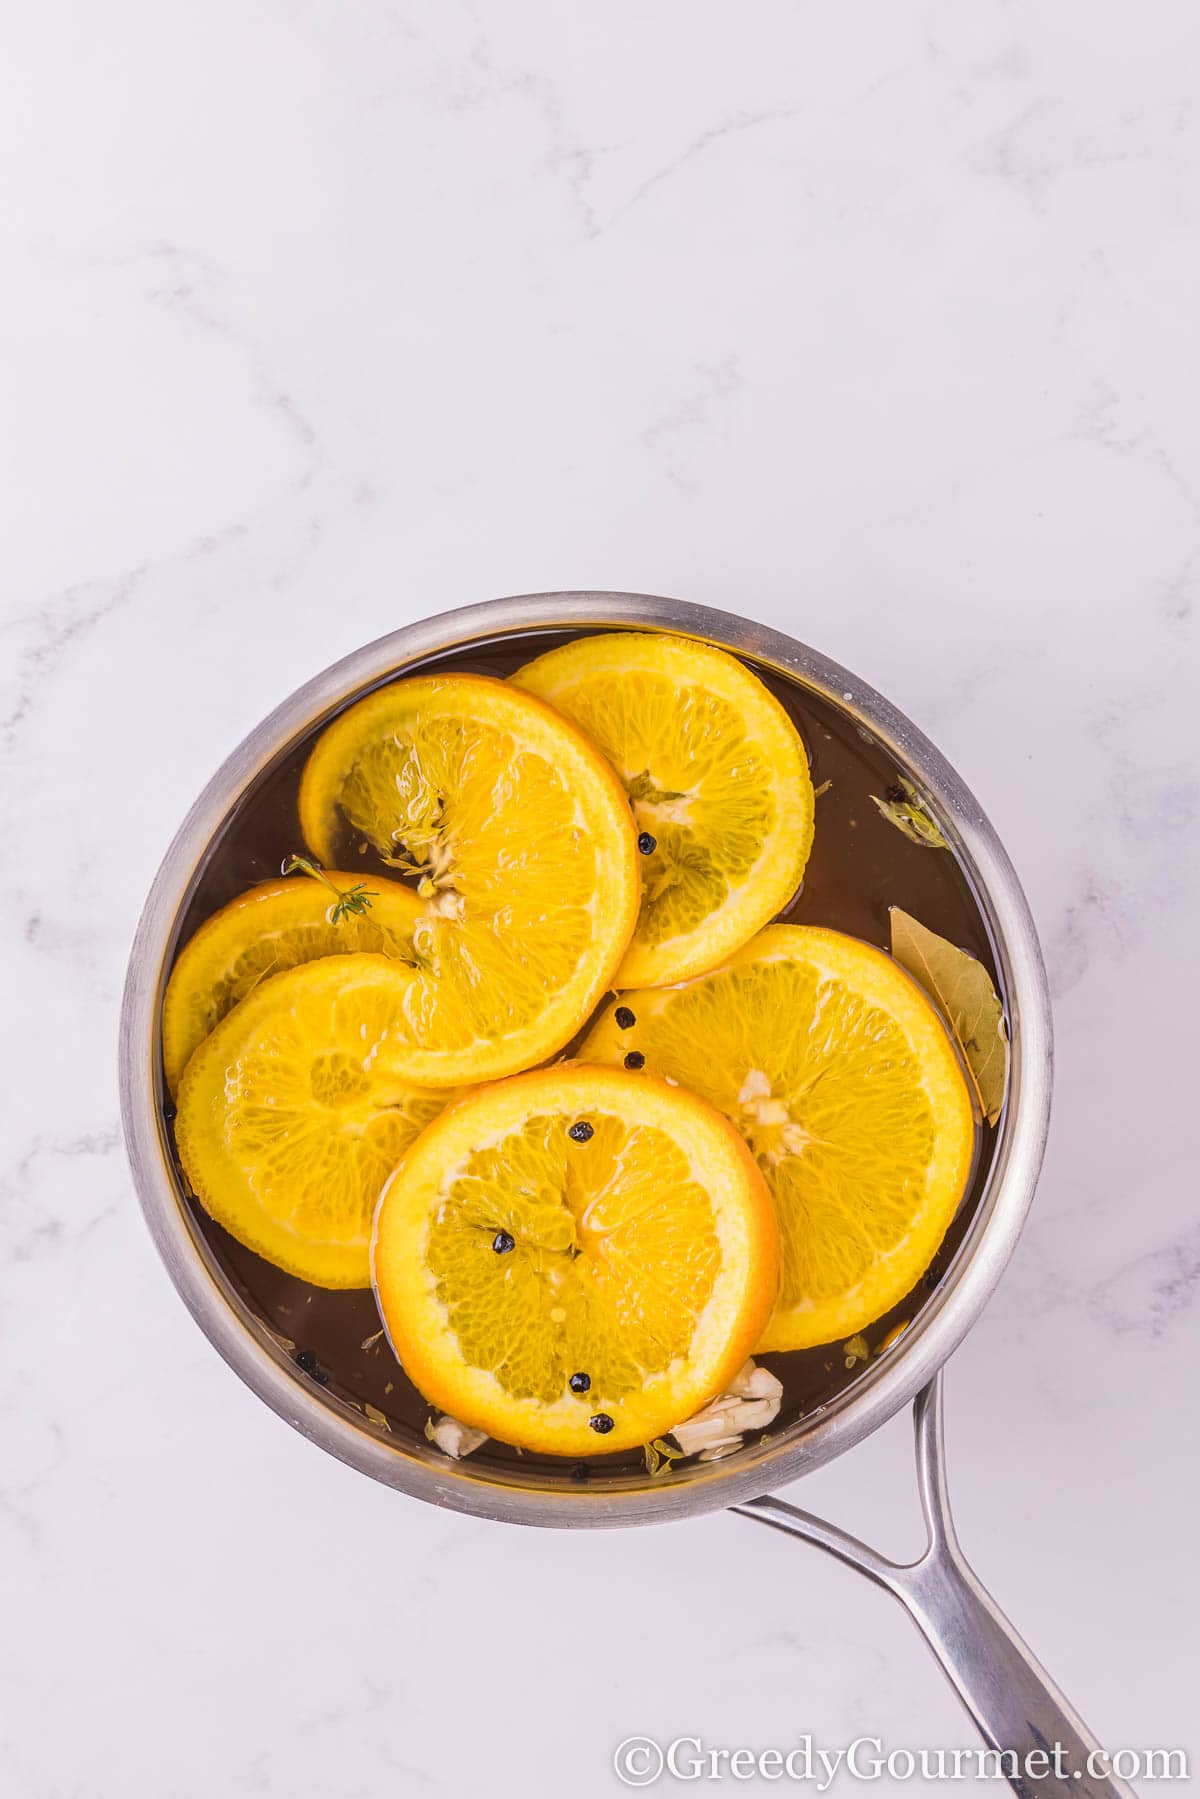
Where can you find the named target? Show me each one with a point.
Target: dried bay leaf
(962, 989)
(903, 807)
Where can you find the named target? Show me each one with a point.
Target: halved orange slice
(575, 1260)
(292, 1114)
(273, 927)
(718, 779)
(838, 1072)
(522, 845)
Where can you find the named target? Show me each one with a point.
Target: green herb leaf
(903, 807)
(962, 990)
(347, 901)
(376, 1416)
(856, 1350)
(353, 900)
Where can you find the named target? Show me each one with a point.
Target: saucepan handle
(1039, 1742)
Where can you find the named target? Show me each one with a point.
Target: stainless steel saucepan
(1013, 1701)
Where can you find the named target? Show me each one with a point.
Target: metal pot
(1012, 1700)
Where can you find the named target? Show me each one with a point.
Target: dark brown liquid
(860, 865)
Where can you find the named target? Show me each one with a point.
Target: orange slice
(575, 1222)
(292, 1115)
(840, 1076)
(271, 928)
(523, 848)
(719, 783)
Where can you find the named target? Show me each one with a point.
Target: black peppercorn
(169, 1110)
(624, 1018)
(579, 1383)
(502, 1242)
(307, 1361)
(646, 843)
(581, 1132)
(580, 1471)
(635, 1059)
(601, 1423)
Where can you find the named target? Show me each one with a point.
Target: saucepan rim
(888, 1383)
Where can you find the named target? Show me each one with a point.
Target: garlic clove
(452, 1437)
(751, 1404)
(756, 1382)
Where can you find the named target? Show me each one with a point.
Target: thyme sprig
(348, 901)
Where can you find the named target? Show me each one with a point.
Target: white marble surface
(877, 323)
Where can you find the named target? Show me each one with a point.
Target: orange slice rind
(840, 1076)
(718, 780)
(292, 1115)
(637, 1255)
(269, 929)
(521, 844)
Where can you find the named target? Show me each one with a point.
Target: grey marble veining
(877, 325)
